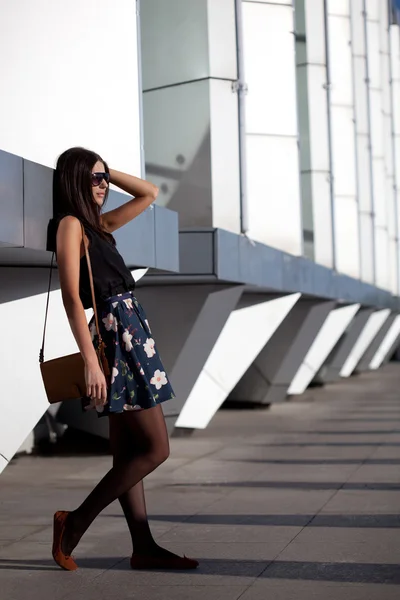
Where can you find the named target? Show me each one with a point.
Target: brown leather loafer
(64, 561)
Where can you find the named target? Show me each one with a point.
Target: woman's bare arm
(69, 238)
(144, 194)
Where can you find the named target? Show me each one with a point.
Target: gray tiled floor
(298, 502)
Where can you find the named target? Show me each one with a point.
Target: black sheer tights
(139, 444)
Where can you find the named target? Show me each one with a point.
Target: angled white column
(370, 330)
(231, 356)
(330, 370)
(3, 463)
(332, 329)
(22, 396)
(269, 377)
(388, 345)
(368, 355)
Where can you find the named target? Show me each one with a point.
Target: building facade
(271, 258)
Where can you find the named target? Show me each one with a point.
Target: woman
(137, 384)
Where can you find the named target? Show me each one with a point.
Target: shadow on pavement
(324, 571)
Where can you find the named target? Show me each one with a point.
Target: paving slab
(300, 501)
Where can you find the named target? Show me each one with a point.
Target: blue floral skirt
(138, 378)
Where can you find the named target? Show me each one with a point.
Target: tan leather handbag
(64, 377)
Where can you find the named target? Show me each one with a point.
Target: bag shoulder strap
(89, 265)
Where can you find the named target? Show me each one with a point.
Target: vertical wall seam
(393, 140)
(329, 116)
(357, 171)
(140, 89)
(300, 175)
(370, 141)
(241, 89)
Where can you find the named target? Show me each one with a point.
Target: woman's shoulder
(68, 219)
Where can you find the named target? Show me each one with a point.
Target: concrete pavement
(298, 502)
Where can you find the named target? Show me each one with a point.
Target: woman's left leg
(133, 501)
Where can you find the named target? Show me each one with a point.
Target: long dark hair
(72, 188)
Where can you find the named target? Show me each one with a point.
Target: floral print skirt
(138, 378)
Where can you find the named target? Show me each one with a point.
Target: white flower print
(148, 326)
(115, 304)
(141, 371)
(126, 338)
(159, 379)
(149, 347)
(130, 407)
(114, 374)
(128, 303)
(110, 322)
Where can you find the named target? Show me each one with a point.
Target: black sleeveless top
(111, 276)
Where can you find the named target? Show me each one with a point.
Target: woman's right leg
(133, 501)
(148, 429)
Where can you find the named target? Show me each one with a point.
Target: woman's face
(99, 184)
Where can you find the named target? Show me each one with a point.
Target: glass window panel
(395, 51)
(315, 25)
(366, 242)
(346, 236)
(221, 38)
(382, 258)
(322, 216)
(361, 94)
(177, 148)
(274, 192)
(302, 74)
(364, 174)
(374, 66)
(318, 110)
(225, 174)
(379, 186)
(343, 151)
(340, 60)
(174, 40)
(270, 69)
(376, 122)
(338, 7)
(373, 9)
(357, 27)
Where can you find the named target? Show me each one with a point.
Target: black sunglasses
(97, 178)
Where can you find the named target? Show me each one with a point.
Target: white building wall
(190, 110)
(346, 229)
(375, 18)
(271, 123)
(395, 90)
(70, 78)
(313, 129)
(363, 142)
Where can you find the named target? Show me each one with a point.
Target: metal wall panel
(11, 200)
